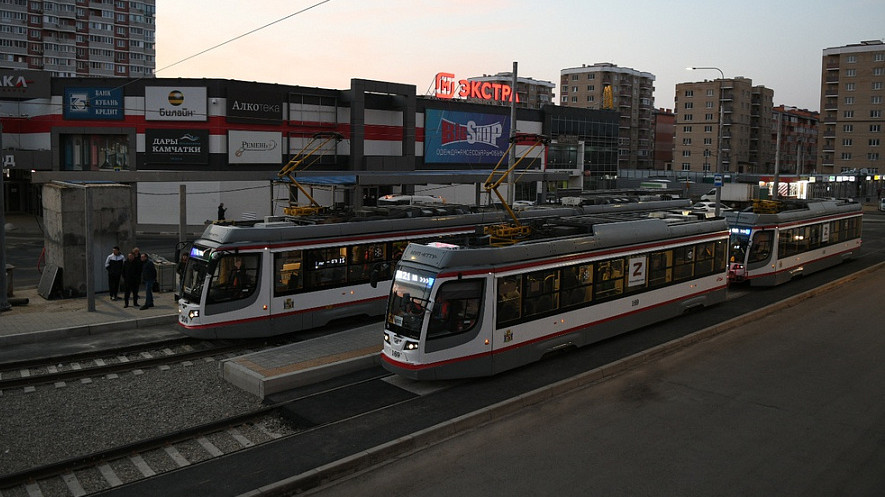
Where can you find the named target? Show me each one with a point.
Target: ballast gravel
(53, 424)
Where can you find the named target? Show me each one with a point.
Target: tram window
(326, 267)
(704, 258)
(398, 249)
(288, 276)
(683, 267)
(577, 285)
(813, 236)
(660, 268)
(456, 309)
(609, 278)
(509, 299)
(363, 259)
(541, 292)
(721, 256)
(235, 277)
(760, 250)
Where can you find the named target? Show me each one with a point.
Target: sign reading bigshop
(176, 146)
(173, 103)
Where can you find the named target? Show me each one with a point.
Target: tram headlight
(193, 314)
(410, 346)
(387, 338)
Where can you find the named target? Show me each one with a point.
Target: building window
(688, 117)
(591, 76)
(848, 114)
(851, 59)
(708, 129)
(575, 89)
(850, 73)
(708, 141)
(565, 99)
(847, 142)
(591, 98)
(876, 99)
(875, 128)
(686, 129)
(689, 105)
(686, 166)
(591, 87)
(878, 71)
(708, 117)
(846, 155)
(879, 57)
(686, 141)
(849, 100)
(847, 128)
(709, 105)
(873, 156)
(689, 93)
(876, 113)
(877, 85)
(849, 86)
(686, 153)
(575, 99)
(706, 167)
(874, 142)
(575, 77)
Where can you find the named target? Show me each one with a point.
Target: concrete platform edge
(85, 330)
(393, 450)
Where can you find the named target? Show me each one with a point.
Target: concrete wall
(65, 236)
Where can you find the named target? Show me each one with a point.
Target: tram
(293, 273)
(459, 311)
(778, 241)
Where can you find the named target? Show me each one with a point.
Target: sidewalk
(43, 319)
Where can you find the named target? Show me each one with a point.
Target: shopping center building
(225, 140)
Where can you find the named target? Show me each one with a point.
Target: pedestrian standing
(149, 276)
(221, 211)
(131, 279)
(114, 266)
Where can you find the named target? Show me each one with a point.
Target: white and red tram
(272, 278)
(797, 237)
(456, 311)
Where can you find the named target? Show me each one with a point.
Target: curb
(435, 434)
(87, 330)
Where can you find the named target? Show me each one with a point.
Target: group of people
(132, 270)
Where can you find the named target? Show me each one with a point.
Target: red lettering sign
(446, 88)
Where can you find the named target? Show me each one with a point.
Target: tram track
(33, 373)
(147, 458)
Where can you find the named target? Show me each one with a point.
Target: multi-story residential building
(626, 91)
(665, 123)
(851, 101)
(746, 126)
(532, 93)
(798, 139)
(71, 38)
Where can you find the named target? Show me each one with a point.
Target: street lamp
(721, 119)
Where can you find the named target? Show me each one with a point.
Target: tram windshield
(194, 276)
(409, 298)
(737, 246)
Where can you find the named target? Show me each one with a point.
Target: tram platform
(303, 363)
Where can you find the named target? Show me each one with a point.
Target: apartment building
(626, 91)
(746, 124)
(851, 101)
(532, 93)
(665, 123)
(798, 139)
(72, 38)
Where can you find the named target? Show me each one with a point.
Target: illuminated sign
(741, 231)
(197, 253)
(447, 87)
(410, 277)
(464, 137)
(93, 103)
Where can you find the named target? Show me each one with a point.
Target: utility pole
(4, 298)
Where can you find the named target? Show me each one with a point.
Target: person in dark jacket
(221, 211)
(149, 276)
(114, 266)
(131, 279)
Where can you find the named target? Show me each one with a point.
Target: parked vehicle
(709, 207)
(733, 192)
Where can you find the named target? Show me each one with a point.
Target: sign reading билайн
(173, 103)
(447, 88)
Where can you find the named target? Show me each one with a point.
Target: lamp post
(721, 119)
